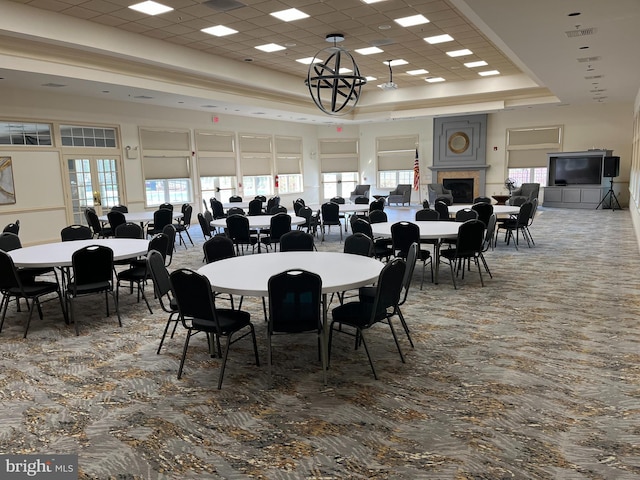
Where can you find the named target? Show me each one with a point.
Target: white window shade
(253, 165)
(288, 165)
(212, 165)
(165, 167)
(529, 158)
(215, 142)
(165, 140)
(396, 160)
(255, 143)
(338, 163)
(285, 145)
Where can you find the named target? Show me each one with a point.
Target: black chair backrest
(470, 238)
(162, 217)
(166, 206)
(193, 295)
(330, 212)
(187, 212)
(120, 208)
(217, 248)
(116, 218)
(170, 232)
(238, 228)
(482, 200)
(403, 234)
(443, 209)
(490, 231)
(93, 221)
(388, 289)
(76, 232)
(262, 198)
(378, 216)
(466, 214)
(376, 205)
(9, 241)
(360, 225)
(534, 202)
(129, 230)
(427, 215)
(297, 241)
(484, 209)
(279, 224)
(159, 273)
(361, 200)
(445, 200)
(272, 202)
(205, 226)
(301, 200)
(160, 243)
(339, 200)
(278, 209)
(92, 264)
(255, 207)
(13, 227)
(412, 257)
(294, 302)
(425, 204)
(217, 209)
(359, 244)
(235, 199)
(9, 277)
(297, 206)
(524, 214)
(235, 211)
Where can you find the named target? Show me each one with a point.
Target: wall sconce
(132, 152)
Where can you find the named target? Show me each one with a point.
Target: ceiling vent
(588, 59)
(581, 32)
(224, 5)
(381, 42)
(53, 85)
(593, 77)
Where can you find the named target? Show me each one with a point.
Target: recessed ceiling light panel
(412, 20)
(150, 8)
(219, 31)
(420, 71)
(368, 50)
(439, 39)
(460, 53)
(488, 73)
(308, 60)
(290, 15)
(270, 47)
(434, 79)
(479, 63)
(395, 63)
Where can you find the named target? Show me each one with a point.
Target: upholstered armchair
(437, 190)
(526, 193)
(400, 195)
(360, 191)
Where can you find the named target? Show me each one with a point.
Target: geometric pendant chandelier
(333, 79)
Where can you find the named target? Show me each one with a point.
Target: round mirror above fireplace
(458, 142)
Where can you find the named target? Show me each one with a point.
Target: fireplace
(461, 189)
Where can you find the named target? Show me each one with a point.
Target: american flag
(416, 172)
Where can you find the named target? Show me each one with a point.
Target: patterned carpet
(534, 376)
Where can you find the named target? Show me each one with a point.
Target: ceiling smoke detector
(389, 85)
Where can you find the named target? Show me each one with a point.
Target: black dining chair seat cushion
(229, 320)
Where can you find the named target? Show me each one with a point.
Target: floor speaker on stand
(611, 167)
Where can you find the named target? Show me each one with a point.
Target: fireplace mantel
(458, 168)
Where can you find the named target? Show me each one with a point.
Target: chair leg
(395, 339)
(224, 361)
(486, 267)
(366, 349)
(405, 326)
(37, 302)
(166, 329)
(184, 353)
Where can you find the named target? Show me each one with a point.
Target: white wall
(39, 177)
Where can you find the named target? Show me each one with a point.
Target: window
(391, 178)
(290, 183)
(396, 158)
(339, 184)
(167, 190)
(219, 187)
(257, 185)
(76, 136)
(16, 133)
(529, 175)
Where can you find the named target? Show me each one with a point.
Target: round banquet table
(59, 254)
(497, 209)
(249, 275)
(139, 217)
(227, 205)
(435, 230)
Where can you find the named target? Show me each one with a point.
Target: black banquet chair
(469, 246)
(330, 217)
(161, 218)
(238, 230)
(219, 247)
(11, 285)
(76, 232)
(295, 307)
(403, 234)
(362, 315)
(162, 289)
(198, 314)
(184, 224)
(297, 241)
(92, 274)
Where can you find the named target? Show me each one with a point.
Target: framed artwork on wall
(7, 191)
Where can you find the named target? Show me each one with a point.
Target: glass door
(94, 181)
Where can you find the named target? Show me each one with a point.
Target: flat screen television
(578, 170)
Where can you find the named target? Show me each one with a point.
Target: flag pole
(416, 177)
